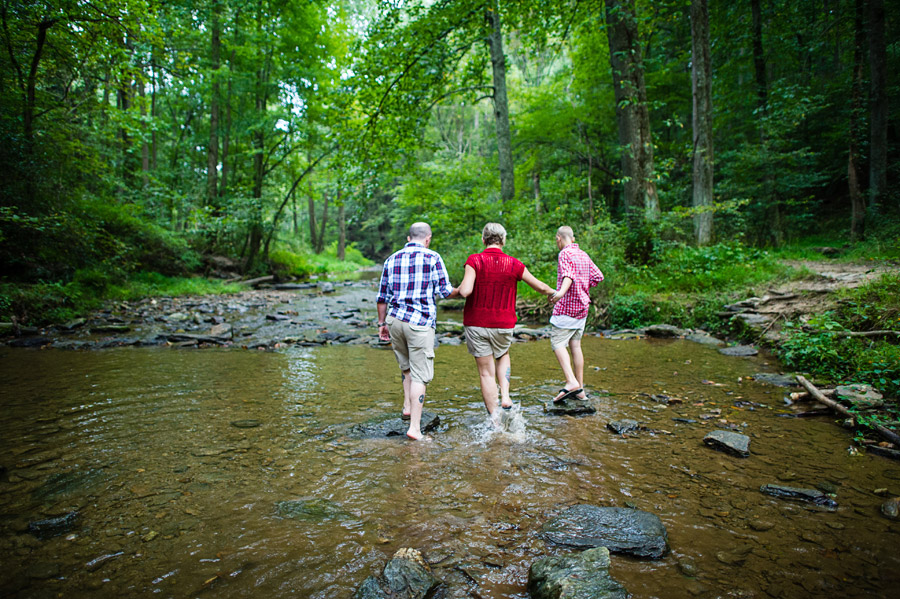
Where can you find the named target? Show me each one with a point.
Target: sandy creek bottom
(141, 443)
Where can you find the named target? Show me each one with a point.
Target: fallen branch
(257, 280)
(817, 395)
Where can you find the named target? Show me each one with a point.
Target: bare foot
(419, 437)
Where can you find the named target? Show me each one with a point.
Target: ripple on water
(142, 443)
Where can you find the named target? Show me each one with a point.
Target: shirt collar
(412, 243)
(492, 250)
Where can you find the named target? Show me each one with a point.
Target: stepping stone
(621, 530)
(582, 575)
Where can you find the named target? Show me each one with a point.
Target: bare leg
(488, 374)
(417, 392)
(562, 356)
(407, 399)
(578, 364)
(504, 372)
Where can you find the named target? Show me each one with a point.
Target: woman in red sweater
(489, 286)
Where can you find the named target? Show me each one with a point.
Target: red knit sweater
(492, 303)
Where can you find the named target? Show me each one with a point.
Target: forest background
(693, 145)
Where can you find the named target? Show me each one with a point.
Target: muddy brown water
(141, 442)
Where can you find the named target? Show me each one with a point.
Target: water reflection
(180, 459)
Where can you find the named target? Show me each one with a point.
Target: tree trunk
(212, 156)
(536, 184)
(632, 115)
(857, 203)
(590, 190)
(759, 59)
(762, 103)
(311, 203)
(321, 241)
(226, 138)
(259, 147)
(145, 146)
(701, 79)
(501, 104)
(879, 105)
(342, 229)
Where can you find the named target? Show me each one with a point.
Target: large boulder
(406, 576)
(621, 530)
(582, 575)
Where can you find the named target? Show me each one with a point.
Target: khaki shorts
(413, 346)
(483, 341)
(562, 337)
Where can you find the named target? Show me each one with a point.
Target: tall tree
(857, 202)
(879, 105)
(701, 85)
(212, 164)
(632, 113)
(501, 103)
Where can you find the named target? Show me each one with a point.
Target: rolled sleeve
(384, 290)
(440, 278)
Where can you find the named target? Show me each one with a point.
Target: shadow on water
(232, 474)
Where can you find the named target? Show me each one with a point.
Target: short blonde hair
(566, 233)
(493, 234)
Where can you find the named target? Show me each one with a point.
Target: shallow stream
(176, 461)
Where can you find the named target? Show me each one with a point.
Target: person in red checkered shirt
(576, 274)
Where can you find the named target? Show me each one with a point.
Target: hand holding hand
(383, 333)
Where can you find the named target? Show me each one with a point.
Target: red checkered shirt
(578, 266)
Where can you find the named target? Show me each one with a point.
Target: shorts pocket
(429, 353)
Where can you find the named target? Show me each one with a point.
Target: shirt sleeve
(519, 269)
(383, 288)
(440, 279)
(596, 274)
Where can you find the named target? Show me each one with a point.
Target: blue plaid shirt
(410, 279)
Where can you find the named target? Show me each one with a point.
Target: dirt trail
(799, 299)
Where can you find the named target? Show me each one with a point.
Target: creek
(178, 463)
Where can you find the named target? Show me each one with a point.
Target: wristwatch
(379, 324)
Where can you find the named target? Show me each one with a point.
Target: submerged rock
(739, 350)
(729, 442)
(392, 427)
(406, 576)
(813, 496)
(582, 575)
(621, 530)
(52, 527)
(621, 427)
(779, 380)
(309, 508)
(891, 508)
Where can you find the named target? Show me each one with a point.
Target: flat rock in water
(704, 339)
(570, 407)
(52, 527)
(729, 442)
(582, 575)
(621, 427)
(739, 350)
(392, 427)
(813, 496)
(406, 576)
(621, 530)
(861, 395)
(664, 330)
(779, 380)
(30, 342)
(245, 423)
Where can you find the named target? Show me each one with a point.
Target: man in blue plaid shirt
(407, 313)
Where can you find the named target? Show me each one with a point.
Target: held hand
(554, 298)
(383, 333)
